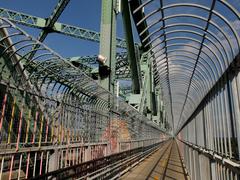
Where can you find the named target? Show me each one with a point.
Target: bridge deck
(163, 164)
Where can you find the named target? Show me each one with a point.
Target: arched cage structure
(194, 49)
(57, 122)
(49, 107)
(191, 44)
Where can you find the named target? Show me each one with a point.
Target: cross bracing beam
(121, 73)
(121, 60)
(122, 66)
(69, 30)
(50, 23)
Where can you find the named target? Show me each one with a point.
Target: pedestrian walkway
(163, 164)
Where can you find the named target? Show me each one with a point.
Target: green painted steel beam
(89, 63)
(132, 55)
(121, 60)
(61, 5)
(108, 42)
(69, 30)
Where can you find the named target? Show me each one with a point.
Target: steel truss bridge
(178, 116)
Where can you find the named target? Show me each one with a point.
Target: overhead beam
(122, 70)
(132, 58)
(50, 23)
(121, 60)
(69, 30)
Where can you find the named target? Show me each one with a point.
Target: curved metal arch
(191, 15)
(192, 47)
(186, 85)
(183, 50)
(191, 101)
(192, 39)
(180, 98)
(196, 90)
(199, 71)
(202, 79)
(11, 35)
(54, 84)
(187, 31)
(12, 45)
(196, 33)
(202, 67)
(184, 80)
(161, 73)
(52, 89)
(203, 19)
(204, 74)
(25, 55)
(44, 68)
(36, 66)
(229, 6)
(200, 28)
(210, 73)
(57, 92)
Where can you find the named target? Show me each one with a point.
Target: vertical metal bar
(77, 156)
(41, 164)
(11, 120)
(224, 119)
(20, 166)
(228, 119)
(219, 128)
(34, 164)
(11, 167)
(204, 126)
(61, 159)
(47, 161)
(47, 129)
(19, 128)
(41, 130)
(220, 119)
(230, 109)
(2, 163)
(3, 110)
(217, 148)
(28, 125)
(35, 127)
(27, 168)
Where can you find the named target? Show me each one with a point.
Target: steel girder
(190, 51)
(121, 60)
(133, 57)
(88, 64)
(61, 5)
(69, 30)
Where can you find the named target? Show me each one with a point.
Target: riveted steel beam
(134, 61)
(66, 29)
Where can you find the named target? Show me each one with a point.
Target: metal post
(108, 41)
(132, 58)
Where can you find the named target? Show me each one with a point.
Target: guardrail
(105, 167)
(215, 164)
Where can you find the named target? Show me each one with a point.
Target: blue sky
(81, 13)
